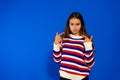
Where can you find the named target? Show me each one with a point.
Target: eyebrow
(75, 23)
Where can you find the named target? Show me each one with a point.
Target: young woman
(74, 50)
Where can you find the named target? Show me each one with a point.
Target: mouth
(75, 30)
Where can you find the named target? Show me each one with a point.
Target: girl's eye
(71, 23)
(78, 24)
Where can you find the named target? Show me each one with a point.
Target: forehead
(74, 20)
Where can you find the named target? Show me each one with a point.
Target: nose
(74, 26)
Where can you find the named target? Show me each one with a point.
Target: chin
(75, 33)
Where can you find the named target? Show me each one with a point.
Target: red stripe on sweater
(74, 53)
(57, 59)
(56, 54)
(88, 53)
(81, 42)
(89, 58)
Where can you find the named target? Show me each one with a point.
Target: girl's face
(75, 26)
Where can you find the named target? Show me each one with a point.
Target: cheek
(71, 28)
(79, 27)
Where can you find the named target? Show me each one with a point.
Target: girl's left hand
(87, 39)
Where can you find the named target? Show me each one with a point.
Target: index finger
(91, 37)
(61, 33)
(85, 36)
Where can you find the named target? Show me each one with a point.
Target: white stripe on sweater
(70, 76)
(75, 71)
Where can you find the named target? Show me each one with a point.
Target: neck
(77, 34)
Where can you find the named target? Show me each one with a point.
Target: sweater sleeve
(89, 54)
(57, 52)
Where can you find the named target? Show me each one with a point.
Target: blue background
(28, 27)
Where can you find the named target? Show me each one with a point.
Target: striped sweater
(75, 57)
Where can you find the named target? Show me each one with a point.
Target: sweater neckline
(75, 37)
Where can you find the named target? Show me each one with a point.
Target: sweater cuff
(56, 47)
(88, 45)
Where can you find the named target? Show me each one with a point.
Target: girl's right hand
(58, 39)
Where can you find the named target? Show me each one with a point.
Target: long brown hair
(82, 30)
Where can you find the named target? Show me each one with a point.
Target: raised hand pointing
(87, 39)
